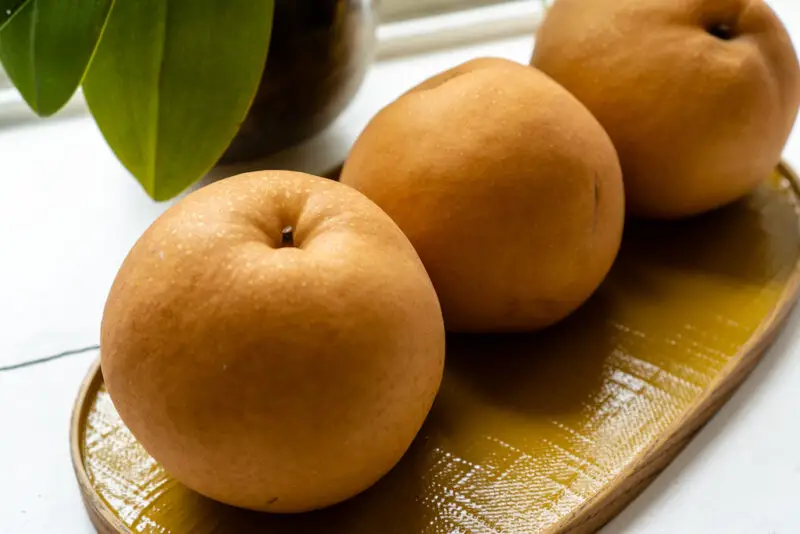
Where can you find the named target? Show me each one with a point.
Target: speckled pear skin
(699, 96)
(273, 372)
(508, 188)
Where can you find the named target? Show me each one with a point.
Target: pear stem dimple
(287, 237)
(722, 31)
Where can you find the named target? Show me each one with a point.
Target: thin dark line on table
(46, 359)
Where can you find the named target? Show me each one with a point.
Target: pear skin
(699, 96)
(274, 341)
(506, 185)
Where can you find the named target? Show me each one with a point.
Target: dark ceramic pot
(319, 54)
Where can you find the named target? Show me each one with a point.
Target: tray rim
(100, 514)
(595, 512)
(631, 482)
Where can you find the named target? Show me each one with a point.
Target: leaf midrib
(34, 71)
(15, 12)
(156, 106)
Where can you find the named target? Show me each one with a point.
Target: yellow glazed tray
(551, 432)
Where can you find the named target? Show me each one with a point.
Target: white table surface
(70, 213)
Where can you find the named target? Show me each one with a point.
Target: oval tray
(547, 432)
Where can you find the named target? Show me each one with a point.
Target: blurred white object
(449, 30)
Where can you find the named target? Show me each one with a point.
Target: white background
(69, 213)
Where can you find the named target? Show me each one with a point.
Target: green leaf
(8, 8)
(47, 46)
(172, 81)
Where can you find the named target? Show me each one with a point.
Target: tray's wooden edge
(103, 519)
(628, 484)
(597, 511)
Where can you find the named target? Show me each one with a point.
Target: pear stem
(287, 236)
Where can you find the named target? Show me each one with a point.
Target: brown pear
(274, 341)
(507, 187)
(699, 96)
